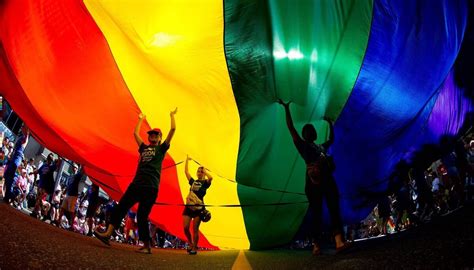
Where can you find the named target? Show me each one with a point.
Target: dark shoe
(345, 247)
(89, 234)
(144, 250)
(103, 239)
(192, 252)
(34, 215)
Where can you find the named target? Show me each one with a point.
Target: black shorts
(191, 213)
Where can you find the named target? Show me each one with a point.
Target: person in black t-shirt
(144, 187)
(319, 180)
(46, 183)
(198, 187)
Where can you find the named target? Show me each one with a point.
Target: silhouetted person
(319, 179)
(448, 158)
(399, 186)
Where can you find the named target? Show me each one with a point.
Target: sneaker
(144, 250)
(104, 239)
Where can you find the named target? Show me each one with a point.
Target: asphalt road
(27, 243)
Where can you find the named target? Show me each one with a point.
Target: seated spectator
(20, 187)
(80, 224)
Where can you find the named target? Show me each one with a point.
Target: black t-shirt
(149, 166)
(46, 173)
(309, 150)
(93, 195)
(311, 153)
(199, 187)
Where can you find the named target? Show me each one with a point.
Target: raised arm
(289, 120)
(186, 169)
(57, 164)
(330, 141)
(173, 127)
(208, 175)
(138, 139)
(26, 135)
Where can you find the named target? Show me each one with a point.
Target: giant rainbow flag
(79, 73)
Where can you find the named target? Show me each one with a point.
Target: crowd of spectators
(70, 203)
(436, 180)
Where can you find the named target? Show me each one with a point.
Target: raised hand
(25, 130)
(172, 113)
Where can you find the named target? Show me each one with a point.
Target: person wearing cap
(144, 187)
(14, 162)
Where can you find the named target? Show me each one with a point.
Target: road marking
(241, 263)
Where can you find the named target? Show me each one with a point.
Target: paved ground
(27, 243)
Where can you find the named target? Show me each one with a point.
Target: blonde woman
(196, 195)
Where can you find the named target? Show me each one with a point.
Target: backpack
(205, 215)
(320, 169)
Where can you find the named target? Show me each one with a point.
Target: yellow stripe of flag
(171, 54)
